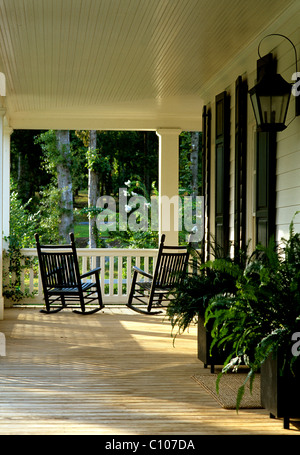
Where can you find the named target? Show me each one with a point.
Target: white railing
(116, 271)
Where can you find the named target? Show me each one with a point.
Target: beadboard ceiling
(137, 64)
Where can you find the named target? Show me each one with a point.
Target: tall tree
(64, 182)
(94, 165)
(93, 190)
(194, 162)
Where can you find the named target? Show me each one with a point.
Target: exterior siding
(288, 141)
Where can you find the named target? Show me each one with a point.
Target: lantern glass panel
(274, 108)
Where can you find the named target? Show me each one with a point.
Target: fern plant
(260, 318)
(206, 280)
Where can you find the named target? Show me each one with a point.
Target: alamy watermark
(296, 86)
(136, 213)
(296, 346)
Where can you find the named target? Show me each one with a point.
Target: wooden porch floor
(111, 373)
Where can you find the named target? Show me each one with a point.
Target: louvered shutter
(222, 172)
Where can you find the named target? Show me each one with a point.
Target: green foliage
(52, 157)
(193, 294)
(260, 318)
(22, 222)
(96, 162)
(185, 173)
(50, 214)
(23, 225)
(51, 154)
(12, 288)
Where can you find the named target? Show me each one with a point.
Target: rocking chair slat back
(171, 268)
(59, 269)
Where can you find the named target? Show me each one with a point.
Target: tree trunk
(93, 194)
(194, 169)
(64, 183)
(194, 162)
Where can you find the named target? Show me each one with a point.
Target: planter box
(204, 342)
(280, 393)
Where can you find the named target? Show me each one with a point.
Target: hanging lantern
(270, 99)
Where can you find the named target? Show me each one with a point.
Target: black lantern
(270, 98)
(271, 95)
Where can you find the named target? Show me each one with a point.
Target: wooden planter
(204, 342)
(280, 393)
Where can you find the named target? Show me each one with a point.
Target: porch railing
(116, 272)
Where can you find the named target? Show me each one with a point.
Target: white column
(3, 171)
(168, 184)
(6, 181)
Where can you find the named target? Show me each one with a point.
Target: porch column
(4, 174)
(168, 204)
(6, 182)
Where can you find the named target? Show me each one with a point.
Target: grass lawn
(81, 230)
(81, 201)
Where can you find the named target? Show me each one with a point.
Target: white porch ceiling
(113, 64)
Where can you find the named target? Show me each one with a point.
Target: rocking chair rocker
(62, 282)
(171, 265)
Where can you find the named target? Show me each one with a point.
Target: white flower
(127, 183)
(125, 193)
(127, 208)
(194, 229)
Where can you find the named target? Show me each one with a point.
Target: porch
(114, 373)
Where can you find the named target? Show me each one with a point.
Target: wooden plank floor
(111, 373)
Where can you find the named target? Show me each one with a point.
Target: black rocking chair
(171, 265)
(62, 282)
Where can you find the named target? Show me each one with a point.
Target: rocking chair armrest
(142, 272)
(91, 272)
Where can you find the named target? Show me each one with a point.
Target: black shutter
(222, 172)
(265, 186)
(241, 96)
(206, 152)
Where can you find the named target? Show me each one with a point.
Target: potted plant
(258, 322)
(192, 295)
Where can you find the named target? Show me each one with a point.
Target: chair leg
(98, 287)
(94, 310)
(150, 301)
(130, 298)
(48, 309)
(132, 289)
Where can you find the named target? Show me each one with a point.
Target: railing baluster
(84, 264)
(111, 276)
(128, 275)
(102, 273)
(31, 280)
(22, 276)
(120, 275)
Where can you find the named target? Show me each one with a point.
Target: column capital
(8, 130)
(168, 131)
